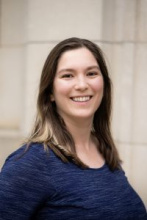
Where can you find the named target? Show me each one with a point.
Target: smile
(81, 99)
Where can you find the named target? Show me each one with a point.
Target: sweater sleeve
(23, 185)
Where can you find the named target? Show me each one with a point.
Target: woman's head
(49, 71)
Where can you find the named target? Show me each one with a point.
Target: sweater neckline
(97, 168)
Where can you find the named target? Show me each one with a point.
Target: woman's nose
(81, 83)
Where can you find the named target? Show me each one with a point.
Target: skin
(77, 92)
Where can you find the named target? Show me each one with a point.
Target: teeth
(81, 99)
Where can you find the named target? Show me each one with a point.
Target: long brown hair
(49, 127)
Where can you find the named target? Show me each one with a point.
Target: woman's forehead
(76, 57)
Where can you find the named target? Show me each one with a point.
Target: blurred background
(29, 29)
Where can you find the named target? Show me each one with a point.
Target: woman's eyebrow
(66, 70)
(93, 67)
(72, 70)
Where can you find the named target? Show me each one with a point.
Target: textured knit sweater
(41, 186)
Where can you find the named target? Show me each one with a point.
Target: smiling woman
(69, 167)
(78, 86)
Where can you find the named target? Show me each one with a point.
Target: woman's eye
(67, 75)
(92, 73)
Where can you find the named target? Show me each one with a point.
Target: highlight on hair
(50, 129)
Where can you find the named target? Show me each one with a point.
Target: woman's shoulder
(32, 156)
(25, 177)
(27, 151)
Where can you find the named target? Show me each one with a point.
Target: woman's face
(78, 85)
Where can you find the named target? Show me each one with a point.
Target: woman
(70, 168)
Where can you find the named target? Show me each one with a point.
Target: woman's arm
(22, 186)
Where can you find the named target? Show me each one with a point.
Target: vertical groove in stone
(0, 20)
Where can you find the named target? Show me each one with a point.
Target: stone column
(124, 41)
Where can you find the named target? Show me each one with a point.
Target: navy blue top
(41, 186)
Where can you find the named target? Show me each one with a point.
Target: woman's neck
(86, 144)
(81, 132)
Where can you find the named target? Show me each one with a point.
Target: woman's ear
(52, 98)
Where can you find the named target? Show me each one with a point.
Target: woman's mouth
(81, 98)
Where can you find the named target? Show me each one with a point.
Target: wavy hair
(49, 127)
